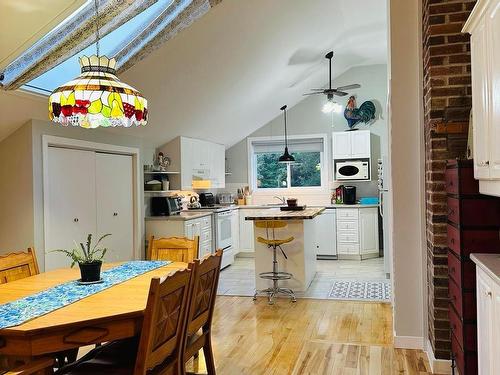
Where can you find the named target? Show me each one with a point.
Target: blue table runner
(20, 311)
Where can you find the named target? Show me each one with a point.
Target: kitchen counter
(277, 214)
(330, 206)
(183, 216)
(489, 263)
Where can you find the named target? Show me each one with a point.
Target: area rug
(360, 290)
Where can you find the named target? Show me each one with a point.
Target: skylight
(109, 46)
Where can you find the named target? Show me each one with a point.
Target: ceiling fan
(330, 92)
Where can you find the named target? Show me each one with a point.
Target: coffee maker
(345, 194)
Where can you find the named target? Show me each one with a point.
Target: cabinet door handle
(483, 163)
(115, 214)
(75, 220)
(488, 294)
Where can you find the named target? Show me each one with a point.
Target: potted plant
(88, 257)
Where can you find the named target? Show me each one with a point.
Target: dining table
(111, 314)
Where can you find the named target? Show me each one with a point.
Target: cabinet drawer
(345, 248)
(463, 185)
(206, 235)
(466, 361)
(470, 241)
(206, 222)
(463, 272)
(465, 333)
(205, 248)
(463, 302)
(347, 213)
(348, 237)
(348, 225)
(477, 212)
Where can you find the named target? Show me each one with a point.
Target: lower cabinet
(326, 244)
(488, 324)
(246, 231)
(202, 227)
(357, 233)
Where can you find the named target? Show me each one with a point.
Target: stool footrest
(275, 275)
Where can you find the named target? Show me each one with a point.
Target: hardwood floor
(307, 337)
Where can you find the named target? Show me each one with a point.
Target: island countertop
(277, 214)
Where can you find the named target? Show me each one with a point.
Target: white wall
(407, 160)
(16, 186)
(307, 118)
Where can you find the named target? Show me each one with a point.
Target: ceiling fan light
(330, 107)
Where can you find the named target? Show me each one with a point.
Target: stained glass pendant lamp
(97, 98)
(286, 157)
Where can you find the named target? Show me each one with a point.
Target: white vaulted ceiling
(229, 72)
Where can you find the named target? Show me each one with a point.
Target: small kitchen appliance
(225, 198)
(165, 206)
(349, 195)
(352, 169)
(207, 199)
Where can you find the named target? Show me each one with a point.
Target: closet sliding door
(115, 206)
(70, 203)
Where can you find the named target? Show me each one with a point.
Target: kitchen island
(301, 252)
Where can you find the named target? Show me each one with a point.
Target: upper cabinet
(201, 163)
(484, 27)
(351, 144)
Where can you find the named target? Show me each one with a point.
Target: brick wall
(447, 90)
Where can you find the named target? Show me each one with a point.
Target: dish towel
(20, 311)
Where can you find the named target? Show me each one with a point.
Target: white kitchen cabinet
(325, 228)
(235, 230)
(484, 27)
(195, 159)
(351, 145)
(368, 231)
(485, 315)
(202, 227)
(87, 192)
(357, 233)
(246, 231)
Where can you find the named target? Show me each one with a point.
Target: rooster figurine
(365, 113)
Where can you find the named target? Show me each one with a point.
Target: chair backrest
(205, 280)
(164, 324)
(15, 266)
(176, 249)
(271, 224)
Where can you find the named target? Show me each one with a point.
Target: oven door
(348, 171)
(224, 235)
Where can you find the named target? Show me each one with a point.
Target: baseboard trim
(408, 342)
(245, 254)
(438, 366)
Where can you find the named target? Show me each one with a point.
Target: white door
(115, 207)
(326, 241)
(480, 102)
(360, 144)
(341, 144)
(493, 33)
(484, 325)
(368, 230)
(70, 202)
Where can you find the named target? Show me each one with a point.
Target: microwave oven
(352, 170)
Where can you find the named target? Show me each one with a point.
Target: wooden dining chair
(176, 249)
(159, 347)
(19, 265)
(15, 266)
(201, 309)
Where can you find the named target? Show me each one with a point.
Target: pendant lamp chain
(97, 36)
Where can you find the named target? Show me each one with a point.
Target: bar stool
(274, 275)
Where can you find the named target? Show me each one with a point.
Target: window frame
(324, 160)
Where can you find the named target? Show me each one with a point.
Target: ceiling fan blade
(349, 87)
(312, 93)
(340, 93)
(317, 89)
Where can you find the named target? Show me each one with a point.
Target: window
(307, 172)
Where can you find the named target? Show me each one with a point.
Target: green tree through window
(305, 173)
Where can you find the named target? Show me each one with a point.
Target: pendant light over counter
(286, 157)
(97, 98)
